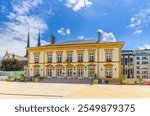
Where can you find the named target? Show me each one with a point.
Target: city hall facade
(76, 59)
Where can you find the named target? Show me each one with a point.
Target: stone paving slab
(113, 91)
(20, 90)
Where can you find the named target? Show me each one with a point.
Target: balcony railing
(91, 60)
(108, 60)
(108, 76)
(80, 60)
(49, 61)
(59, 61)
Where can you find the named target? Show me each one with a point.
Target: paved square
(20, 90)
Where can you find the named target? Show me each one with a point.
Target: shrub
(140, 80)
(10, 78)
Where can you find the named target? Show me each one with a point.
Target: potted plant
(37, 78)
(95, 80)
(123, 77)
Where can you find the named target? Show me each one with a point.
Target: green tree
(140, 80)
(11, 65)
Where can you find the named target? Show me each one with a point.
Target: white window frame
(69, 57)
(80, 57)
(59, 58)
(49, 58)
(59, 73)
(36, 58)
(108, 56)
(69, 73)
(49, 72)
(91, 56)
(108, 72)
(80, 73)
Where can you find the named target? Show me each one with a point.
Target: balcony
(49, 61)
(108, 76)
(80, 60)
(91, 60)
(107, 60)
(36, 62)
(68, 61)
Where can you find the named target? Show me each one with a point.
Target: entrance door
(49, 73)
(91, 73)
(69, 73)
(59, 71)
(80, 73)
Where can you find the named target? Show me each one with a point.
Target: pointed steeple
(28, 43)
(39, 39)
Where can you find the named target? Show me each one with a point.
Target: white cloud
(14, 32)
(107, 36)
(139, 20)
(64, 31)
(137, 31)
(77, 5)
(145, 46)
(81, 37)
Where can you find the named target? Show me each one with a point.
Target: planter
(37, 79)
(95, 81)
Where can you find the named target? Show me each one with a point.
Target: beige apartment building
(76, 59)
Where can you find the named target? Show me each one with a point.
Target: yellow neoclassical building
(76, 59)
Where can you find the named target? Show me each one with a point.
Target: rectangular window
(108, 57)
(80, 57)
(36, 59)
(138, 63)
(108, 72)
(59, 72)
(145, 62)
(144, 58)
(49, 72)
(69, 74)
(138, 58)
(138, 72)
(91, 57)
(49, 58)
(138, 67)
(59, 58)
(69, 57)
(126, 61)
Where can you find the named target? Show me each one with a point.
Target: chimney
(99, 35)
(52, 39)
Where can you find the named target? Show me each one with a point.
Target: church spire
(39, 39)
(28, 43)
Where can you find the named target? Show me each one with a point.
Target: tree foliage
(11, 65)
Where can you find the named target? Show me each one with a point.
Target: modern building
(76, 59)
(128, 63)
(142, 63)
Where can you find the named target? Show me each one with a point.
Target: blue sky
(118, 20)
